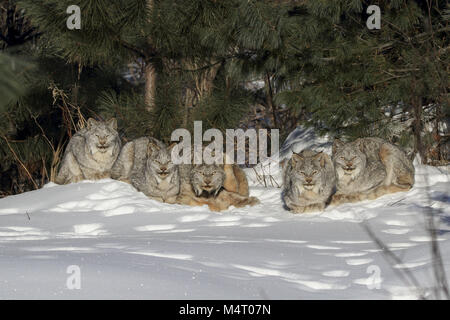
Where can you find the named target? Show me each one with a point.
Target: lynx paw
(315, 207)
(345, 198)
(253, 201)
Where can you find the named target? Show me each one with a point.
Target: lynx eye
(314, 172)
(303, 173)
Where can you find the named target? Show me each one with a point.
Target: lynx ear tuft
(91, 123)
(112, 123)
(318, 155)
(337, 144)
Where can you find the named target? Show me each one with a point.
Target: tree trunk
(272, 106)
(417, 131)
(150, 73)
(416, 102)
(150, 86)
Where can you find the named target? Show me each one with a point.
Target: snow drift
(128, 246)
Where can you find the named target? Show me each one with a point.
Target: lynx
(308, 181)
(90, 153)
(146, 164)
(369, 168)
(218, 186)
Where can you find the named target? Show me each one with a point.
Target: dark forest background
(158, 65)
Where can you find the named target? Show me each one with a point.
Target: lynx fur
(146, 164)
(369, 168)
(308, 181)
(218, 186)
(91, 153)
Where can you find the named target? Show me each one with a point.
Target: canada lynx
(308, 181)
(218, 186)
(146, 164)
(369, 168)
(91, 152)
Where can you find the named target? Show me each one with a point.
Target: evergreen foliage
(314, 63)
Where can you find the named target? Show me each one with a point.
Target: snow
(128, 246)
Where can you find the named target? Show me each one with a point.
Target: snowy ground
(128, 246)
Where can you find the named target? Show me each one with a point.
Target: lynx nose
(309, 180)
(163, 169)
(208, 182)
(102, 141)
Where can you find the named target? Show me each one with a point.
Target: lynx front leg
(235, 199)
(70, 171)
(191, 200)
(122, 167)
(230, 184)
(386, 159)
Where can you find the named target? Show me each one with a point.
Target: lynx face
(102, 136)
(159, 161)
(208, 178)
(306, 172)
(349, 160)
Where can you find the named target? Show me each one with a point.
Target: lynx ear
(297, 157)
(112, 123)
(337, 144)
(170, 149)
(172, 145)
(152, 146)
(323, 158)
(360, 144)
(91, 123)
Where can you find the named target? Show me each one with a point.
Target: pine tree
(158, 65)
(353, 80)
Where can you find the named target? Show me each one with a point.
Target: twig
(21, 163)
